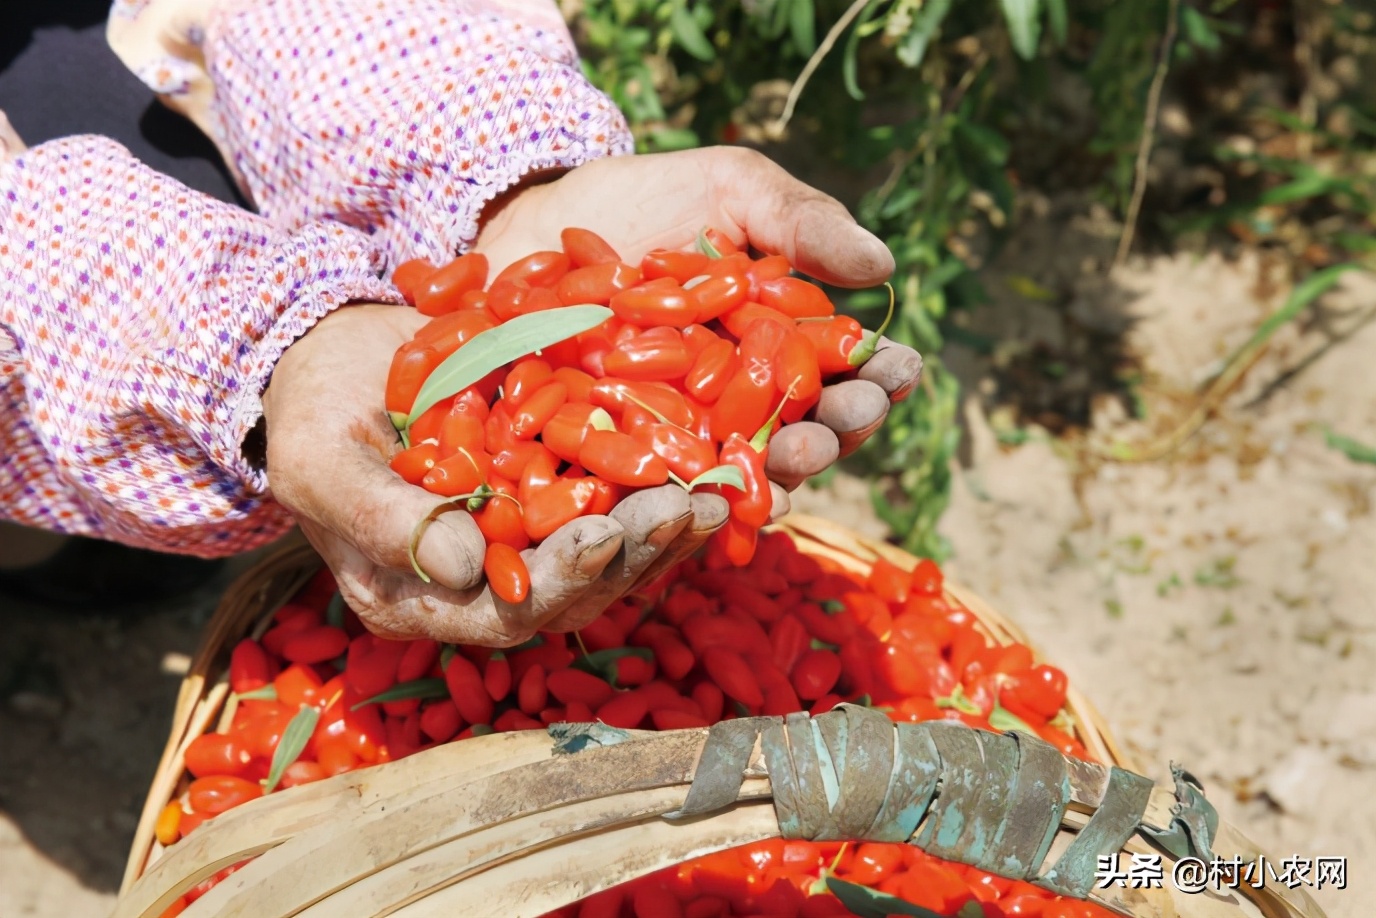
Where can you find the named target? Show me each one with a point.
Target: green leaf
(446, 654)
(1304, 293)
(600, 663)
(266, 693)
(871, 903)
(1197, 30)
(666, 140)
(720, 475)
(705, 245)
(599, 419)
(833, 606)
(689, 34)
(848, 61)
(1058, 19)
(404, 691)
(496, 347)
(1024, 26)
(1357, 452)
(960, 701)
(334, 612)
(802, 25)
(913, 46)
(1309, 185)
(1003, 719)
(293, 742)
(534, 642)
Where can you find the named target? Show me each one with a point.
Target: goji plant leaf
(720, 475)
(960, 701)
(534, 642)
(863, 28)
(495, 348)
(334, 612)
(913, 46)
(599, 663)
(599, 419)
(706, 247)
(1357, 452)
(689, 34)
(1059, 20)
(871, 903)
(1006, 721)
(1024, 25)
(802, 26)
(266, 693)
(404, 691)
(292, 744)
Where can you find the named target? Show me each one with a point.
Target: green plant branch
(1148, 139)
(1239, 363)
(833, 35)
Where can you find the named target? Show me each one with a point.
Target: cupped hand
(662, 201)
(328, 445)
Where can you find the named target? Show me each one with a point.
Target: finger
(357, 497)
(710, 512)
(799, 451)
(569, 563)
(784, 216)
(651, 520)
(853, 409)
(398, 606)
(894, 368)
(782, 504)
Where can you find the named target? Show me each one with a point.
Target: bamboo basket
(505, 825)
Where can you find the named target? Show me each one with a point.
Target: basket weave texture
(406, 838)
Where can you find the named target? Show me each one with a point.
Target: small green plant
(1218, 573)
(927, 116)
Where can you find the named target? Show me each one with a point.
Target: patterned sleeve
(140, 323)
(400, 119)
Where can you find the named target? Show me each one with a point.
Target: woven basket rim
(204, 702)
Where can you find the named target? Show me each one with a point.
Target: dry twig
(1139, 186)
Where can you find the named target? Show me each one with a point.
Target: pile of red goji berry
(318, 695)
(694, 362)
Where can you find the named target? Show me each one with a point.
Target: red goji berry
(584, 247)
(506, 573)
(212, 795)
(539, 269)
(436, 291)
(732, 675)
(467, 691)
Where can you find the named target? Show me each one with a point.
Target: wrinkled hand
(328, 445)
(640, 203)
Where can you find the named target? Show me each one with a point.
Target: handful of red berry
(574, 378)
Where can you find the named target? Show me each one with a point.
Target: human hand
(10, 143)
(328, 445)
(640, 203)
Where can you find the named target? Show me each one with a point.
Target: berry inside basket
(314, 695)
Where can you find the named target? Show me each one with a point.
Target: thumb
(784, 216)
(362, 501)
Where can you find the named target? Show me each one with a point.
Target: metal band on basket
(995, 801)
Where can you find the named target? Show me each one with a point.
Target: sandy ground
(1217, 606)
